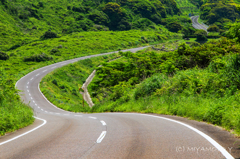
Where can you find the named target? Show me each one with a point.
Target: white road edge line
(101, 137)
(44, 122)
(208, 138)
(103, 122)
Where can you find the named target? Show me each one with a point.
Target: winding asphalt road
(197, 25)
(60, 134)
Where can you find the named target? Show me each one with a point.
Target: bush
(234, 32)
(174, 27)
(201, 35)
(150, 85)
(38, 58)
(4, 56)
(188, 30)
(142, 24)
(49, 35)
(99, 17)
(55, 52)
(213, 28)
(194, 44)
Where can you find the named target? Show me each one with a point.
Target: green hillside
(39, 33)
(188, 6)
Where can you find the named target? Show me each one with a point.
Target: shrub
(188, 30)
(234, 31)
(55, 52)
(201, 35)
(194, 44)
(174, 27)
(142, 24)
(149, 86)
(213, 28)
(99, 17)
(49, 35)
(4, 56)
(38, 58)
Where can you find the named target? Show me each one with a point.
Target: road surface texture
(197, 25)
(60, 134)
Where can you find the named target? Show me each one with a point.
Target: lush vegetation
(64, 17)
(39, 33)
(13, 113)
(219, 13)
(201, 82)
(67, 80)
(17, 62)
(196, 81)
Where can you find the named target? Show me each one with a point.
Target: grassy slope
(67, 80)
(187, 7)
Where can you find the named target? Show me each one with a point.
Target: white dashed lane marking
(101, 137)
(103, 122)
(92, 117)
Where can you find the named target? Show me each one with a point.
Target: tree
(201, 35)
(174, 27)
(234, 31)
(188, 30)
(115, 14)
(99, 17)
(213, 28)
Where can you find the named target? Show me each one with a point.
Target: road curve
(197, 25)
(62, 134)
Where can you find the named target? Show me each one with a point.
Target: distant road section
(197, 25)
